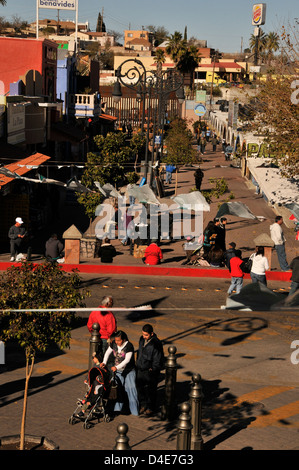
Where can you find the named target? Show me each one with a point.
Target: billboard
(58, 4)
(259, 14)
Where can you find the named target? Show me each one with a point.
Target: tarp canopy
(255, 296)
(235, 208)
(294, 208)
(191, 201)
(144, 195)
(107, 190)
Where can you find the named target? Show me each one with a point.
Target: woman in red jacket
(105, 319)
(153, 254)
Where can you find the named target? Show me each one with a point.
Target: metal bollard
(184, 428)
(168, 408)
(122, 440)
(196, 397)
(94, 342)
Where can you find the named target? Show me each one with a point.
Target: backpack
(246, 266)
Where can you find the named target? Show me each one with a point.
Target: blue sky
(225, 24)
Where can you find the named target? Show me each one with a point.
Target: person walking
(150, 361)
(214, 142)
(236, 273)
(259, 266)
(124, 368)
(169, 170)
(294, 266)
(198, 176)
(106, 320)
(16, 235)
(279, 240)
(203, 143)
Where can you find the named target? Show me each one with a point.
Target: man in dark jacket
(16, 235)
(54, 248)
(229, 254)
(295, 275)
(150, 361)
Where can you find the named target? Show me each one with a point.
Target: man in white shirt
(278, 238)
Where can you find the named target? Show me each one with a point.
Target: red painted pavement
(159, 271)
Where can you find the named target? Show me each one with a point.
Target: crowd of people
(137, 374)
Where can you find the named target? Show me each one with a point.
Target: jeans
(236, 283)
(258, 278)
(294, 287)
(168, 177)
(147, 383)
(281, 254)
(129, 383)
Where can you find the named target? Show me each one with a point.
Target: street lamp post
(132, 74)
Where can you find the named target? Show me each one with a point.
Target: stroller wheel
(72, 420)
(87, 425)
(107, 419)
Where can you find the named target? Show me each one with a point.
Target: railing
(84, 105)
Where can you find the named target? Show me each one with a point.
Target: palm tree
(261, 43)
(188, 61)
(271, 45)
(3, 2)
(159, 59)
(176, 44)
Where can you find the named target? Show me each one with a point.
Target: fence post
(122, 440)
(196, 397)
(168, 409)
(184, 428)
(94, 342)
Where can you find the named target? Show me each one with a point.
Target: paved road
(244, 358)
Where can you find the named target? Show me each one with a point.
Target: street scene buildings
(152, 179)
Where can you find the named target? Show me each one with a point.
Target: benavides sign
(58, 4)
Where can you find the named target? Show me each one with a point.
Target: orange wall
(17, 56)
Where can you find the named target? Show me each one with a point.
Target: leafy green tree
(43, 286)
(107, 165)
(179, 145)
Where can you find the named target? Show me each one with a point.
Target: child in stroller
(95, 402)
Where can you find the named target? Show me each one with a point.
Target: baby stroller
(101, 389)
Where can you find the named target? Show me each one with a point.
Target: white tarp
(192, 201)
(144, 195)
